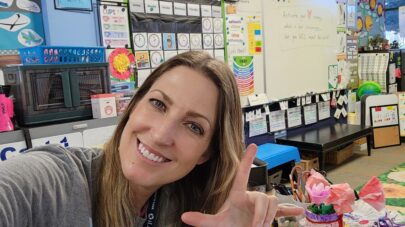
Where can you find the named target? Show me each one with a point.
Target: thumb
(198, 219)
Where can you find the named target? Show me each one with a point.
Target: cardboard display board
(386, 136)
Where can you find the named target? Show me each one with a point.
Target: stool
(275, 154)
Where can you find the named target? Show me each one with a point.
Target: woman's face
(170, 129)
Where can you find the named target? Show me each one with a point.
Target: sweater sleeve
(43, 186)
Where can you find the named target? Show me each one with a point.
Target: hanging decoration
(121, 61)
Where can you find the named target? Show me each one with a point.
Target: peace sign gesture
(243, 208)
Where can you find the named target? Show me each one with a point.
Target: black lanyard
(151, 214)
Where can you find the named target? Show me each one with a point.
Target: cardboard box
(308, 163)
(339, 156)
(103, 105)
(360, 141)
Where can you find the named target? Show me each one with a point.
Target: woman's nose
(164, 132)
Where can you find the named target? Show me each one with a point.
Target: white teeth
(147, 154)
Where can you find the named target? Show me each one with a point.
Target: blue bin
(61, 55)
(275, 154)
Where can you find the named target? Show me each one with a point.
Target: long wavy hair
(207, 186)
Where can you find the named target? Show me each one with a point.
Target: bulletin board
(385, 123)
(300, 44)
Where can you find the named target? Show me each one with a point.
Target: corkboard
(386, 136)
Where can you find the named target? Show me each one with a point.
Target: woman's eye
(158, 104)
(195, 128)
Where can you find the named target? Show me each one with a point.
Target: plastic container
(61, 55)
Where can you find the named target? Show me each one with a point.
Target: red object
(121, 61)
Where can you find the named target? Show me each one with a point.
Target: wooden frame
(385, 134)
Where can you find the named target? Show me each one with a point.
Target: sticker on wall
(30, 6)
(208, 41)
(243, 70)
(121, 61)
(156, 58)
(6, 3)
(195, 41)
(15, 22)
(29, 38)
(218, 40)
(140, 41)
(207, 25)
(169, 41)
(183, 41)
(155, 41)
(142, 59)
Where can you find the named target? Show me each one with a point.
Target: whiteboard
(300, 42)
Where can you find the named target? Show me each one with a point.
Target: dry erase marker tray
(61, 55)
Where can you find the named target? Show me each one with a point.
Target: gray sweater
(50, 186)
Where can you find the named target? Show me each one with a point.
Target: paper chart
(277, 120)
(294, 117)
(243, 70)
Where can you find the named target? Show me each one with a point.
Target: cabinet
(88, 133)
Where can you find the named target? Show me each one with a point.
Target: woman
(173, 160)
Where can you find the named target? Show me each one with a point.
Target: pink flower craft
(318, 192)
(341, 197)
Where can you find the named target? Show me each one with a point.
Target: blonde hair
(207, 186)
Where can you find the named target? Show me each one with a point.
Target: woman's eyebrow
(165, 97)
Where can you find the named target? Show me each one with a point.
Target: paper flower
(120, 63)
(316, 178)
(373, 193)
(341, 197)
(318, 192)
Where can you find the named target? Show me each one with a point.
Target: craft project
(121, 62)
(328, 202)
(142, 59)
(15, 22)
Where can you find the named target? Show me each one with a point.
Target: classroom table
(327, 138)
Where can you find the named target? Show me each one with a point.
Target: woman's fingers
(289, 211)
(242, 176)
(271, 211)
(261, 202)
(199, 219)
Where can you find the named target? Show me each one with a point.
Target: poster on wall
(243, 70)
(21, 25)
(370, 20)
(114, 26)
(255, 39)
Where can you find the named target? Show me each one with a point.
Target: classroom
(202, 113)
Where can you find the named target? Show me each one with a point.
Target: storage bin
(61, 55)
(308, 162)
(339, 156)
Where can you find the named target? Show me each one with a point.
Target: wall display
(137, 6)
(156, 58)
(154, 41)
(193, 10)
(180, 9)
(219, 54)
(216, 11)
(310, 114)
(140, 41)
(21, 25)
(208, 41)
(323, 110)
(169, 54)
(243, 70)
(206, 11)
(183, 41)
(370, 20)
(257, 126)
(277, 120)
(218, 40)
(73, 5)
(373, 66)
(152, 6)
(294, 117)
(384, 115)
(218, 24)
(207, 26)
(195, 41)
(255, 39)
(142, 59)
(121, 61)
(169, 41)
(166, 7)
(114, 26)
(142, 75)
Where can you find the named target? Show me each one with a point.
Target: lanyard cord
(151, 214)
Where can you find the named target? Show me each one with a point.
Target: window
(392, 21)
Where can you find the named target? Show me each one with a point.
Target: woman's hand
(243, 208)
